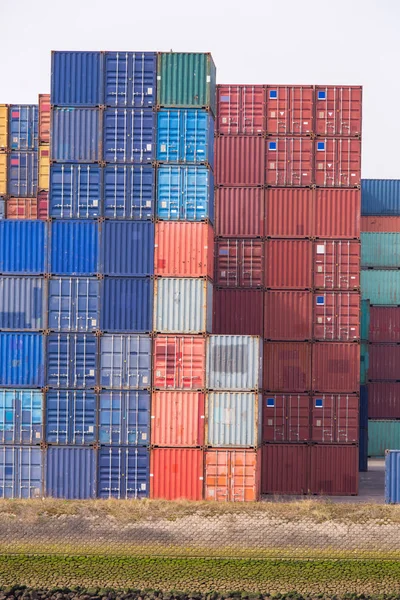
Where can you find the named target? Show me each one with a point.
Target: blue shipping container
(127, 304)
(392, 476)
(125, 361)
(124, 418)
(71, 360)
(74, 247)
(21, 472)
(380, 197)
(123, 472)
(23, 247)
(21, 360)
(185, 136)
(70, 472)
(22, 174)
(128, 248)
(129, 135)
(130, 79)
(129, 192)
(22, 303)
(185, 193)
(363, 451)
(71, 417)
(23, 127)
(381, 286)
(364, 362)
(76, 134)
(364, 406)
(21, 416)
(75, 191)
(74, 304)
(77, 78)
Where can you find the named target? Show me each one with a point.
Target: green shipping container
(381, 287)
(380, 250)
(383, 435)
(364, 363)
(365, 318)
(186, 79)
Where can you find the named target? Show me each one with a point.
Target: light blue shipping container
(75, 191)
(182, 305)
(127, 304)
(72, 360)
(74, 247)
(71, 417)
(21, 470)
(129, 192)
(22, 177)
(77, 78)
(124, 418)
(185, 136)
(185, 193)
(73, 303)
(382, 435)
(23, 247)
(23, 127)
(123, 472)
(364, 363)
(70, 472)
(234, 362)
(233, 419)
(21, 360)
(392, 477)
(21, 416)
(128, 248)
(130, 79)
(380, 197)
(381, 286)
(76, 135)
(365, 319)
(380, 250)
(125, 361)
(129, 135)
(22, 303)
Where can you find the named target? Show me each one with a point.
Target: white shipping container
(234, 362)
(182, 305)
(233, 419)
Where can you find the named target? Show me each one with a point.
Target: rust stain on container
(239, 263)
(380, 224)
(384, 400)
(176, 473)
(238, 312)
(287, 366)
(337, 265)
(239, 212)
(335, 418)
(232, 475)
(336, 213)
(384, 324)
(289, 162)
(44, 118)
(286, 418)
(288, 212)
(336, 316)
(336, 367)
(21, 208)
(384, 362)
(240, 109)
(288, 315)
(285, 469)
(179, 362)
(288, 264)
(177, 419)
(239, 160)
(290, 109)
(334, 470)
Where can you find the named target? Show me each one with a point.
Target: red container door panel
(336, 367)
(288, 264)
(336, 316)
(179, 362)
(337, 265)
(384, 400)
(290, 110)
(286, 418)
(43, 205)
(323, 419)
(287, 366)
(240, 263)
(334, 470)
(288, 315)
(239, 160)
(336, 213)
(228, 109)
(337, 162)
(347, 419)
(285, 469)
(238, 312)
(384, 362)
(289, 212)
(241, 109)
(289, 162)
(384, 324)
(176, 473)
(239, 212)
(338, 111)
(335, 418)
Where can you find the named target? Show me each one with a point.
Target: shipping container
(336, 316)
(287, 367)
(73, 304)
(71, 417)
(288, 264)
(184, 249)
(364, 362)
(380, 223)
(44, 118)
(21, 416)
(76, 135)
(21, 360)
(123, 472)
(334, 470)
(336, 367)
(185, 136)
(125, 361)
(289, 162)
(43, 205)
(365, 320)
(185, 193)
(380, 250)
(23, 247)
(233, 419)
(288, 315)
(177, 473)
(44, 167)
(289, 212)
(186, 79)
(239, 212)
(177, 419)
(338, 110)
(128, 248)
(22, 174)
(392, 477)
(336, 213)
(72, 360)
(4, 108)
(130, 79)
(380, 197)
(21, 208)
(70, 472)
(238, 312)
(21, 472)
(23, 303)
(129, 192)
(2, 208)
(384, 362)
(75, 191)
(285, 469)
(23, 127)
(239, 263)
(384, 324)
(232, 475)
(335, 418)
(384, 400)
(380, 286)
(124, 417)
(364, 402)
(179, 362)
(234, 362)
(290, 109)
(77, 78)
(182, 305)
(363, 451)
(129, 135)
(127, 304)
(337, 162)
(74, 247)
(382, 436)
(3, 173)
(286, 418)
(336, 265)
(240, 110)
(239, 160)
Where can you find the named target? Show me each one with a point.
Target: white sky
(254, 41)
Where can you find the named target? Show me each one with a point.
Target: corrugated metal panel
(3, 173)
(71, 360)
(23, 127)
(338, 110)
(384, 324)
(334, 470)
(44, 167)
(3, 126)
(177, 419)
(21, 416)
(71, 417)
(186, 79)
(125, 361)
(129, 135)
(21, 472)
(288, 315)
(337, 162)
(128, 248)
(2, 208)
(336, 316)
(234, 362)
(364, 362)
(290, 109)
(384, 400)
(238, 312)
(21, 360)
(363, 451)
(123, 473)
(124, 417)
(392, 477)
(22, 174)
(287, 366)
(365, 319)
(43, 205)
(241, 109)
(232, 475)
(74, 247)
(289, 162)
(70, 473)
(127, 304)
(239, 160)
(288, 264)
(382, 436)
(384, 362)
(380, 197)
(73, 304)
(75, 191)
(380, 224)
(182, 305)
(185, 193)
(129, 192)
(179, 362)
(233, 419)
(364, 402)
(185, 136)
(239, 212)
(336, 367)
(23, 303)
(77, 78)
(286, 418)
(335, 418)
(285, 469)
(289, 212)
(76, 134)
(337, 213)
(21, 208)
(44, 118)
(336, 265)
(381, 287)
(176, 473)
(130, 79)
(239, 263)
(380, 250)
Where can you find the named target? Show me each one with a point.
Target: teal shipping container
(364, 362)
(381, 250)
(365, 319)
(382, 436)
(381, 286)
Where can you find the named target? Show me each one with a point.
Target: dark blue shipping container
(123, 472)
(75, 191)
(380, 197)
(129, 192)
(364, 406)
(70, 417)
(127, 248)
(74, 247)
(76, 135)
(70, 472)
(23, 127)
(363, 450)
(23, 247)
(185, 136)
(22, 303)
(185, 193)
(127, 304)
(77, 78)
(129, 135)
(74, 304)
(22, 174)
(124, 418)
(125, 361)
(71, 360)
(21, 360)
(21, 416)
(130, 79)
(21, 472)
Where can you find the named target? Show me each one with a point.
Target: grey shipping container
(125, 361)
(21, 416)
(21, 472)
(182, 305)
(234, 362)
(124, 417)
(233, 419)
(72, 360)
(23, 303)
(74, 304)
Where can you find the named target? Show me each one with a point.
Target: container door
(75, 191)
(229, 110)
(124, 418)
(73, 304)
(195, 187)
(217, 475)
(274, 419)
(30, 416)
(129, 192)
(195, 136)
(323, 419)
(169, 193)
(347, 419)
(23, 174)
(169, 135)
(71, 417)
(72, 360)
(243, 484)
(130, 79)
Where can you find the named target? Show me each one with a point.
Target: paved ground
(372, 484)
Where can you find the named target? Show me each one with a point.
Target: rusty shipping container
(240, 110)
(334, 470)
(239, 263)
(336, 213)
(384, 324)
(179, 362)
(384, 400)
(239, 160)
(336, 367)
(44, 118)
(287, 367)
(239, 212)
(336, 265)
(289, 212)
(288, 315)
(337, 162)
(336, 316)
(238, 312)
(288, 264)
(384, 362)
(22, 208)
(380, 224)
(176, 473)
(290, 109)
(335, 418)
(286, 418)
(232, 475)
(177, 419)
(285, 469)
(289, 162)
(338, 110)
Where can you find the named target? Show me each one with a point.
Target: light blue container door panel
(75, 191)
(129, 135)
(22, 303)
(74, 248)
(70, 472)
(71, 360)
(21, 416)
(380, 250)
(130, 79)
(129, 192)
(70, 417)
(74, 304)
(124, 418)
(185, 193)
(23, 127)
(123, 472)
(21, 360)
(185, 136)
(23, 174)
(125, 361)
(21, 472)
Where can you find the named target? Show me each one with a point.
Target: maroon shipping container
(285, 469)
(286, 418)
(336, 316)
(239, 160)
(337, 162)
(335, 418)
(287, 366)
(338, 110)
(288, 264)
(239, 263)
(238, 312)
(289, 161)
(288, 315)
(289, 212)
(384, 324)
(290, 109)
(240, 109)
(336, 213)
(239, 212)
(336, 367)
(337, 265)
(384, 400)
(334, 470)
(384, 362)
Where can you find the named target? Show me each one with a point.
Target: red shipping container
(240, 109)
(290, 109)
(336, 213)
(338, 110)
(384, 324)
(179, 362)
(334, 470)
(336, 316)
(287, 366)
(289, 212)
(239, 212)
(285, 469)
(239, 160)
(44, 118)
(177, 419)
(288, 315)
(289, 162)
(21, 208)
(176, 473)
(43, 205)
(337, 265)
(384, 362)
(336, 367)
(286, 418)
(288, 264)
(384, 400)
(238, 312)
(337, 162)
(335, 418)
(380, 224)
(232, 475)
(239, 263)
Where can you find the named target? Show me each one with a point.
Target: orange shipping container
(232, 475)
(179, 362)
(21, 208)
(177, 419)
(176, 473)
(44, 118)
(380, 224)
